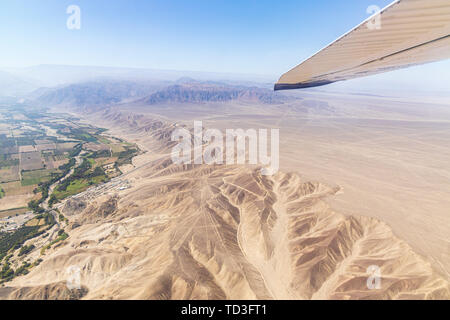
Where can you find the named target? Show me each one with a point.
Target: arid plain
(362, 182)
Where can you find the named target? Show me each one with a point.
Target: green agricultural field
(126, 156)
(117, 148)
(36, 176)
(40, 168)
(78, 186)
(73, 188)
(81, 134)
(84, 176)
(103, 139)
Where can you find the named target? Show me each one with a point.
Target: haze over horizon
(262, 40)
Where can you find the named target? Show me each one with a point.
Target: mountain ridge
(108, 93)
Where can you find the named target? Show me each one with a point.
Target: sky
(237, 36)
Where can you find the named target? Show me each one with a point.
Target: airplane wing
(404, 34)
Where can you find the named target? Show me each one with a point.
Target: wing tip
(301, 85)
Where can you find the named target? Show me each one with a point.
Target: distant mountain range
(107, 93)
(93, 93)
(199, 93)
(57, 75)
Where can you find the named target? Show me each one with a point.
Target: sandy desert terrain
(390, 156)
(363, 182)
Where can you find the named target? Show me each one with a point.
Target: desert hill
(219, 232)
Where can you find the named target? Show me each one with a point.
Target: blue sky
(238, 36)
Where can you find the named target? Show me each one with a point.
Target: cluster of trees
(62, 218)
(23, 269)
(82, 172)
(62, 235)
(126, 156)
(26, 249)
(44, 187)
(6, 273)
(81, 135)
(78, 173)
(75, 150)
(35, 205)
(65, 168)
(100, 154)
(16, 239)
(48, 219)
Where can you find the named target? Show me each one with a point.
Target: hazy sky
(239, 36)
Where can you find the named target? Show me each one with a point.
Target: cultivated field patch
(9, 149)
(45, 147)
(8, 174)
(35, 177)
(9, 160)
(29, 148)
(42, 141)
(66, 145)
(31, 161)
(13, 212)
(96, 147)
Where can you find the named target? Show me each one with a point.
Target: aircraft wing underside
(406, 33)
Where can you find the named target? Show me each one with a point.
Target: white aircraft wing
(405, 33)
